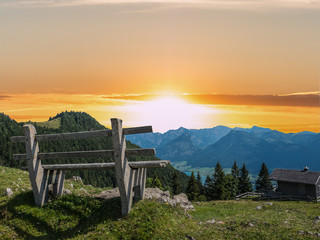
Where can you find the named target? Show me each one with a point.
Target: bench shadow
(64, 217)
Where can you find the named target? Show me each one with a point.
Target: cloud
(190, 3)
(4, 97)
(306, 99)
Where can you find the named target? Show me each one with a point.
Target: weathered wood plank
(89, 154)
(86, 134)
(37, 175)
(80, 166)
(101, 166)
(124, 174)
(137, 130)
(149, 164)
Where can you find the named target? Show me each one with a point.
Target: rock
(107, 194)
(190, 237)
(164, 197)
(250, 225)
(316, 221)
(184, 202)
(317, 235)
(269, 203)
(220, 222)
(50, 188)
(77, 178)
(309, 233)
(258, 208)
(211, 221)
(8, 192)
(317, 218)
(83, 190)
(67, 191)
(155, 193)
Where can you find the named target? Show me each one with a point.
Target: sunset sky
(191, 63)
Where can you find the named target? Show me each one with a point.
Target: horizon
(194, 63)
(233, 127)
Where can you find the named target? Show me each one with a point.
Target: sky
(168, 63)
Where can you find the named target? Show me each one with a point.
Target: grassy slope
(78, 216)
(55, 123)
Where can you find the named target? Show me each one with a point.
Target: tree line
(222, 186)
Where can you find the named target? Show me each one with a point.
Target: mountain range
(203, 148)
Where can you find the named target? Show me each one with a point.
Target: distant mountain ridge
(204, 147)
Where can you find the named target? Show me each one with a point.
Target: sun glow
(167, 112)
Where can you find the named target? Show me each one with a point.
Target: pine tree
(263, 182)
(193, 188)
(236, 175)
(201, 188)
(230, 187)
(208, 188)
(218, 183)
(176, 185)
(244, 180)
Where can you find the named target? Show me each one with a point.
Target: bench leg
(140, 183)
(125, 175)
(37, 175)
(58, 183)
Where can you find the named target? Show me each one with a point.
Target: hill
(203, 148)
(73, 122)
(80, 216)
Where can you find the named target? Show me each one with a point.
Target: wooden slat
(79, 166)
(101, 166)
(88, 154)
(137, 130)
(149, 164)
(86, 134)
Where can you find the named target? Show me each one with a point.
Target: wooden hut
(302, 184)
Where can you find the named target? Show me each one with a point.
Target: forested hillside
(72, 122)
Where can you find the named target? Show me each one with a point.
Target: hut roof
(288, 175)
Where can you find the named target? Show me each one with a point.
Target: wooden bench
(131, 176)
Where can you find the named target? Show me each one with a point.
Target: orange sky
(239, 57)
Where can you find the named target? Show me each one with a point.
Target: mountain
(73, 122)
(179, 148)
(203, 148)
(253, 150)
(200, 137)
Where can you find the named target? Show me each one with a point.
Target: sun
(167, 112)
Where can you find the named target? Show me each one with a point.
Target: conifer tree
(263, 182)
(193, 188)
(218, 183)
(244, 180)
(208, 188)
(236, 175)
(201, 187)
(176, 185)
(230, 187)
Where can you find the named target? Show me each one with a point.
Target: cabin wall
(318, 189)
(298, 189)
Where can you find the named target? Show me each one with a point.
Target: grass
(79, 216)
(55, 123)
